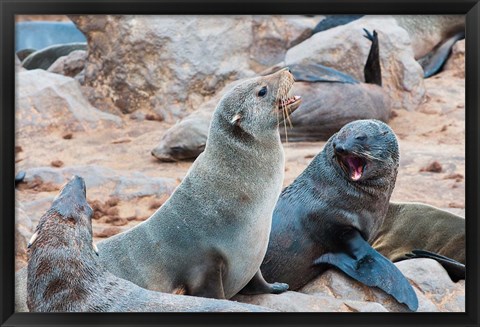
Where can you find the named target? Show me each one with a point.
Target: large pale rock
(46, 100)
(69, 65)
(339, 285)
(434, 289)
(432, 280)
(298, 302)
(170, 65)
(274, 35)
(344, 48)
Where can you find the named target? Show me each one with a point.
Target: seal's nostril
(340, 149)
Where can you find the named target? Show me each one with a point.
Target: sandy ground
(432, 169)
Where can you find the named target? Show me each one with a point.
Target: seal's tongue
(356, 167)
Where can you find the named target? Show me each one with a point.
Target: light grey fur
(223, 208)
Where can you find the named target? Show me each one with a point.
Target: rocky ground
(125, 184)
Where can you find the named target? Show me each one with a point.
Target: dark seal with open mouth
(331, 212)
(65, 275)
(211, 235)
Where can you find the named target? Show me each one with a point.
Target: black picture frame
(10, 8)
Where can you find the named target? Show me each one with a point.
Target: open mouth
(353, 165)
(286, 101)
(290, 104)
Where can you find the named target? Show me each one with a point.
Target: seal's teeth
(32, 240)
(95, 248)
(356, 166)
(288, 101)
(356, 175)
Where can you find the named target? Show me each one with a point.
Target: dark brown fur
(410, 226)
(64, 274)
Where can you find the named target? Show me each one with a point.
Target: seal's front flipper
(455, 269)
(206, 279)
(258, 285)
(363, 263)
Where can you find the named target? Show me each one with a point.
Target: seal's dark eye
(262, 91)
(176, 149)
(361, 137)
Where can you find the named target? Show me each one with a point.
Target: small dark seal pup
(210, 237)
(64, 273)
(334, 208)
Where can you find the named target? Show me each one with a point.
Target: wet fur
(322, 202)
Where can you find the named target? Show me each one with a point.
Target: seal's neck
(223, 135)
(62, 267)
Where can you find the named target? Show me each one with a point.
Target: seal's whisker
(366, 154)
(285, 126)
(287, 113)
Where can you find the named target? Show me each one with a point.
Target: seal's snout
(76, 186)
(72, 200)
(164, 155)
(286, 101)
(340, 148)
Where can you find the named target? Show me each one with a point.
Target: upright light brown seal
(210, 237)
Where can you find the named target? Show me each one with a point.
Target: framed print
(277, 163)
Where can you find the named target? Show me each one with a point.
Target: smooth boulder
(170, 65)
(46, 100)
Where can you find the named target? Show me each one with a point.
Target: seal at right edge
(331, 212)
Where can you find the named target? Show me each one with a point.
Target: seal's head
(62, 266)
(365, 150)
(256, 106)
(71, 202)
(68, 214)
